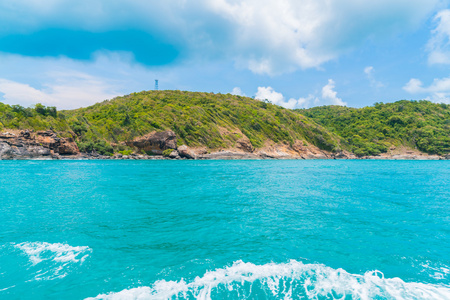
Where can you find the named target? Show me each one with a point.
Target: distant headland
(195, 125)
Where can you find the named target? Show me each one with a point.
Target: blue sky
(295, 53)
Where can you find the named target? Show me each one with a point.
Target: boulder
(343, 155)
(155, 142)
(67, 146)
(174, 154)
(5, 150)
(185, 152)
(49, 139)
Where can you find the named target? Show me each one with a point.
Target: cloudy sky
(295, 53)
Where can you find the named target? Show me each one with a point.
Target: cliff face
(155, 142)
(41, 144)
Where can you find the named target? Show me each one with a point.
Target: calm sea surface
(225, 229)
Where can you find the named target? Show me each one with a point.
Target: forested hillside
(372, 130)
(218, 121)
(198, 119)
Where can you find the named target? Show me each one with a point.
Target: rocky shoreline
(47, 145)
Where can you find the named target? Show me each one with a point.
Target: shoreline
(46, 145)
(224, 156)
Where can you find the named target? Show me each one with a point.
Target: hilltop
(208, 125)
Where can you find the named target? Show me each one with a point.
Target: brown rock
(49, 139)
(185, 152)
(244, 144)
(155, 142)
(68, 146)
(174, 154)
(35, 145)
(298, 146)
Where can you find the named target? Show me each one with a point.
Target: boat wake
(293, 280)
(54, 260)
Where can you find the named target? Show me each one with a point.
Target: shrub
(126, 152)
(167, 152)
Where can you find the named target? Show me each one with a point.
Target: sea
(262, 229)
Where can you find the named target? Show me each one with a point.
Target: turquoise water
(225, 229)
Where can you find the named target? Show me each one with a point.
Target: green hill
(372, 130)
(199, 119)
(218, 121)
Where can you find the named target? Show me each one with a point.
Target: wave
(56, 258)
(293, 280)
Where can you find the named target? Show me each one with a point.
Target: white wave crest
(56, 256)
(293, 280)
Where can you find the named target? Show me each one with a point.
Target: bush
(126, 152)
(167, 152)
(101, 147)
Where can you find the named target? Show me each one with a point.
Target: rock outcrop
(155, 142)
(185, 152)
(245, 144)
(41, 144)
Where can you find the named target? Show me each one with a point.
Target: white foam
(58, 255)
(438, 272)
(293, 280)
(10, 287)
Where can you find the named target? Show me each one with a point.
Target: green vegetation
(126, 152)
(167, 152)
(39, 117)
(198, 119)
(372, 130)
(220, 120)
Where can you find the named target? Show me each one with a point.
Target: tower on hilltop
(156, 85)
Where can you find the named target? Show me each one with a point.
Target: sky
(294, 53)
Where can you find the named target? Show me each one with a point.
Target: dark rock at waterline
(228, 155)
(155, 142)
(185, 152)
(174, 154)
(42, 144)
(18, 151)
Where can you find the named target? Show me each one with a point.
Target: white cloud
(61, 82)
(439, 43)
(68, 83)
(328, 96)
(15, 92)
(237, 91)
(268, 93)
(265, 36)
(309, 101)
(438, 90)
(281, 36)
(414, 86)
(368, 70)
(373, 82)
(67, 91)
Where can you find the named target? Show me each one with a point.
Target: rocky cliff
(41, 144)
(158, 145)
(155, 142)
